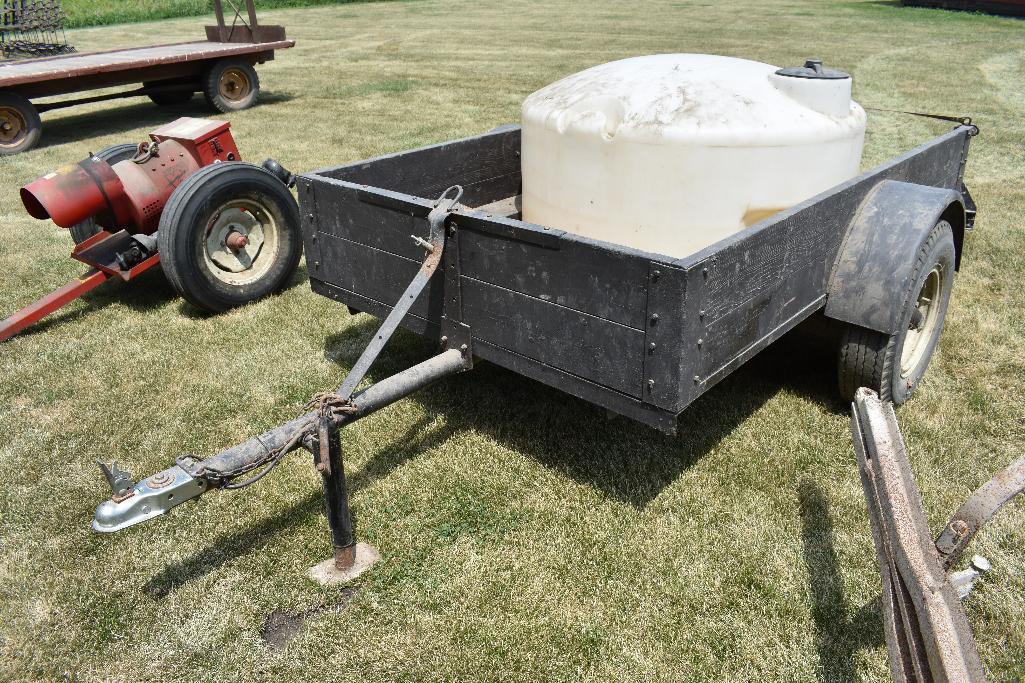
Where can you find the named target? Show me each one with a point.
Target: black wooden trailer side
(639, 333)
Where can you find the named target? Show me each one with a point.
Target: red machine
(114, 206)
(130, 194)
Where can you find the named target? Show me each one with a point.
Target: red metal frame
(100, 272)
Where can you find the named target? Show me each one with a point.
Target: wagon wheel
(20, 126)
(228, 235)
(231, 85)
(892, 365)
(80, 232)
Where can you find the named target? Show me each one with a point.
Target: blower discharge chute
(226, 232)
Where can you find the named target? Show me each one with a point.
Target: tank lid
(812, 69)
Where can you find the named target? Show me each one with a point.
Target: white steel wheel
(229, 234)
(242, 241)
(925, 318)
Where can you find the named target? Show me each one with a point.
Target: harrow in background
(32, 28)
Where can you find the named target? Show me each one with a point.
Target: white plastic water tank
(671, 153)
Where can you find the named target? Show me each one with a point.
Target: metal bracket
(120, 480)
(436, 221)
(979, 509)
(455, 334)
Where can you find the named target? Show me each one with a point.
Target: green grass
(104, 12)
(525, 536)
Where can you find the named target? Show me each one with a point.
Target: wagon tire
(201, 233)
(893, 365)
(20, 126)
(169, 98)
(231, 85)
(80, 232)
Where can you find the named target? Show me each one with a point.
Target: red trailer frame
(220, 66)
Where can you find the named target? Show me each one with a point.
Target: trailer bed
(76, 72)
(639, 333)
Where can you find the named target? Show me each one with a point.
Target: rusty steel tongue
(927, 631)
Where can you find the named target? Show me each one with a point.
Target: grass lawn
(525, 536)
(101, 12)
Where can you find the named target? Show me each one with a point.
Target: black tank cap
(812, 69)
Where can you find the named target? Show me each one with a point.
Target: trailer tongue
(316, 430)
(927, 631)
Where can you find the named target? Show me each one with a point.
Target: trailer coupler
(149, 498)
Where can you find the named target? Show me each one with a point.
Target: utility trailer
(221, 67)
(641, 334)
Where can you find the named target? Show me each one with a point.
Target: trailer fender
(876, 258)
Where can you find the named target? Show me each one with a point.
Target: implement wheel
(231, 85)
(229, 234)
(892, 365)
(113, 154)
(20, 126)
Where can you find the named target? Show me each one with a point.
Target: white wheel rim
(924, 321)
(225, 258)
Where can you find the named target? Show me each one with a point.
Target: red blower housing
(130, 194)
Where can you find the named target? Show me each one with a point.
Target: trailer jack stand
(350, 558)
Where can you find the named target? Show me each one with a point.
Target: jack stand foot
(326, 574)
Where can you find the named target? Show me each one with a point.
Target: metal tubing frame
(366, 402)
(99, 273)
(926, 628)
(53, 301)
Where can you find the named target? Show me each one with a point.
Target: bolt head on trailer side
(639, 333)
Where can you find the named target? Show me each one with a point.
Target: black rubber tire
(872, 359)
(169, 98)
(80, 232)
(26, 111)
(181, 237)
(211, 85)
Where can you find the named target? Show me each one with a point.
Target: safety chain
(326, 404)
(330, 405)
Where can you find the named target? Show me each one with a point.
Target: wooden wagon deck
(222, 67)
(51, 70)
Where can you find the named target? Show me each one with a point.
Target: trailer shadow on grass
(839, 633)
(140, 113)
(625, 460)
